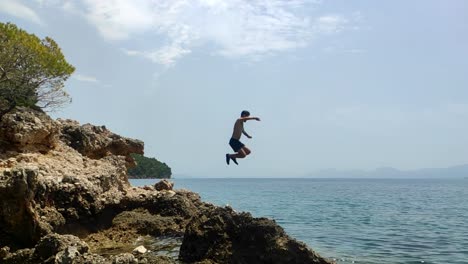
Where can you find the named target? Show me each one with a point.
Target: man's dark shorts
(235, 144)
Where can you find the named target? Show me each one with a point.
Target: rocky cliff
(65, 198)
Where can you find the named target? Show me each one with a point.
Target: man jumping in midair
(241, 150)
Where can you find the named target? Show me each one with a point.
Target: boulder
(18, 218)
(164, 185)
(68, 246)
(224, 236)
(26, 128)
(68, 256)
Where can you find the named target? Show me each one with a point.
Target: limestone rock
(164, 185)
(140, 250)
(4, 252)
(97, 141)
(17, 216)
(125, 258)
(68, 256)
(25, 127)
(50, 245)
(23, 256)
(224, 236)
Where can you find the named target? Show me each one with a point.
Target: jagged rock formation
(97, 142)
(222, 235)
(65, 198)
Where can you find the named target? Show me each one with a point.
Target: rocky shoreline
(65, 198)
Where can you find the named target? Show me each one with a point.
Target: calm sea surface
(357, 220)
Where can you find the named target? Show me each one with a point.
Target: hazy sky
(338, 84)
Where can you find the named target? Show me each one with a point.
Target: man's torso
(238, 128)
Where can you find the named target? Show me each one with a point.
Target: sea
(354, 220)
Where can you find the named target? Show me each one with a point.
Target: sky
(337, 84)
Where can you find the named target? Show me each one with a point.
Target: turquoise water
(355, 220)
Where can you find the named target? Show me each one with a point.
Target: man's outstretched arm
(249, 118)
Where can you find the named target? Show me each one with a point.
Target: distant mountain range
(460, 171)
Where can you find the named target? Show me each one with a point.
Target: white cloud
(17, 9)
(85, 78)
(334, 49)
(118, 19)
(166, 55)
(234, 28)
(67, 5)
(330, 24)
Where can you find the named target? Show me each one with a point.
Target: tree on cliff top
(32, 71)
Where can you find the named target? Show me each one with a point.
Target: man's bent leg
(246, 150)
(241, 153)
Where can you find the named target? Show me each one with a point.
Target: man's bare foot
(227, 159)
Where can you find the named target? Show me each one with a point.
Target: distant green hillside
(149, 168)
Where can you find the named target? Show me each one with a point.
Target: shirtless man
(241, 150)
